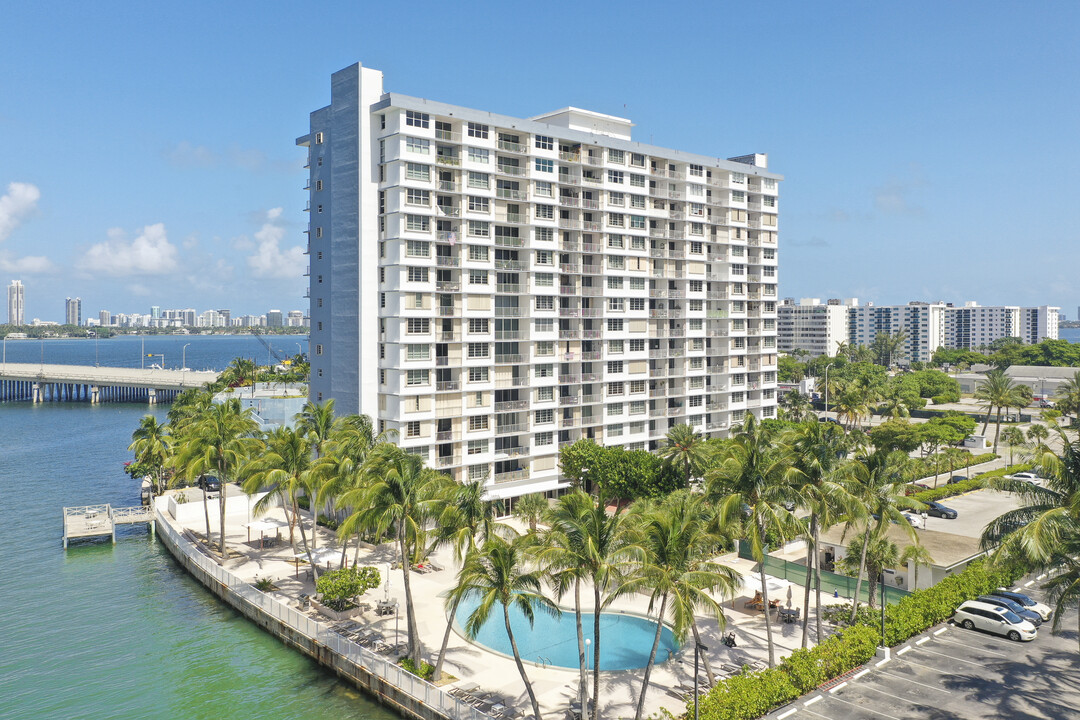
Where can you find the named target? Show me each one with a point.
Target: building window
(412, 429)
(615, 176)
(637, 345)
(545, 212)
(543, 142)
(418, 145)
(616, 156)
(614, 325)
(318, 184)
(418, 223)
(545, 394)
(543, 165)
(418, 274)
(545, 302)
(479, 326)
(479, 228)
(478, 422)
(544, 438)
(417, 197)
(478, 350)
(479, 180)
(418, 326)
(615, 347)
(414, 378)
(543, 417)
(479, 155)
(478, 253)
(615, 366)
(417, 119)
(318, 349)
(478, 447)
(416, 171)
(419, 352)
(478, 277)
(417, 248)
(543, 189)
(477, 130)
(479, 204)
(478, 374)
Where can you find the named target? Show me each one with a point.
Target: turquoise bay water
(121, 631)
(626, 640)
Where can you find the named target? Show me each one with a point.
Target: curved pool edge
(680, 648)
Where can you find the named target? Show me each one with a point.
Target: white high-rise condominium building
(812, 326)
(16, 303)
(1039, 323)
(73, 311)
(923, 325)
(493, 287)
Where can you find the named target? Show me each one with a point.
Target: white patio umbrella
(262, 526)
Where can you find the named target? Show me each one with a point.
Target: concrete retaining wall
(368, 672)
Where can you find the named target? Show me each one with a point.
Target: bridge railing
(86, 510)
(420, 690)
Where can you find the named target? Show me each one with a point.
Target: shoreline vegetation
(626, 528)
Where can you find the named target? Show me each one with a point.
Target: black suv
(208, 483)
(1030, 615)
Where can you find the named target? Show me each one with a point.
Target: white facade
(73, 311)
(812, 326)
(16, 303)
(1039, 323)
(922, 323)
(494, 287)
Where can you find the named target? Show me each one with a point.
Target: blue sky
(930, 149)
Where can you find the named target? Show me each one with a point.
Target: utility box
(976, 442)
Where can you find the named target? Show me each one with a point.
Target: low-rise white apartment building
(494, 287)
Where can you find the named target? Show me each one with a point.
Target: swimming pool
(625, 639)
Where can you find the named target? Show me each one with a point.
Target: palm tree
(678, 536)
(1067, 396)
(531, 508)
(879, 554)
(588, 542)
(997, 391)
(879, 487)
(1013, 437)
(496, 574)
(797, 407)
(282, 470)
(751, 484)
(954, 457)
(316, 422)
(1044, 532)
(684, 447)
(467, 519)
(152, 444)
(219, 442)
(1037, 434)
(403, 495)
(895, 405)
(917, 555)
(818, 451)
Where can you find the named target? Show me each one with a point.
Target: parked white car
(997, 619)
(1027, 477)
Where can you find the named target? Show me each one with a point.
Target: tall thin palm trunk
(704, 657)
(307, 549)
(221, 508)
(862, 569)
(997, 433)
(768, 623)
(206, 513)
(596, 653)
(410, 618)
(986, 424)
(520, 667)
(810, 551)
(817, 585)
(652, 657)
(446, 638)
(583, 673)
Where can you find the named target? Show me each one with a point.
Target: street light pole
(183, 357)
(883, 607)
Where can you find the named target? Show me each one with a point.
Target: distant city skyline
(895, 126)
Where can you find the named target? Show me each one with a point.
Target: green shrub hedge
(944, 491)
(752, 694)
(976, 460)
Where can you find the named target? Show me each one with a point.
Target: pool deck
(475, 665)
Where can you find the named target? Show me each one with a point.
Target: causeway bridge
(82, 383)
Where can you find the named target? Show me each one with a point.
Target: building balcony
(512, 476)
(447, 286)
(513, 147)
(510, 359)
(444, 261)
(448, 386)
(511, 405)
(447, 460)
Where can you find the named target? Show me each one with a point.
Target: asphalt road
(949, 672)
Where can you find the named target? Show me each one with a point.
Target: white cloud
(18, 202)
(269, 260)
(29, 265)
(150, 253)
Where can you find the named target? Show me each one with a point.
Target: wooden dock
(96, 521)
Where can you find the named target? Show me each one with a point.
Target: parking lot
(975, 510)
(949, 672)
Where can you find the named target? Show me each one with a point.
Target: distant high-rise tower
(16, 303)
(73, 311)
(104, 318)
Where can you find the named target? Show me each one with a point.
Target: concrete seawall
(373, 674)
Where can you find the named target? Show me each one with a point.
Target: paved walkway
(473, 664)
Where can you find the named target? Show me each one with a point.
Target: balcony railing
(511, 476)
(444, 436)
(510, 194)
(447, 460)
(511, 429)
(511, 405)
(447, 386)
(510, 359)
(569, 399)
(448, 160)
(447, 286)
(443, 261)
(513, 147)
(515, 265)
